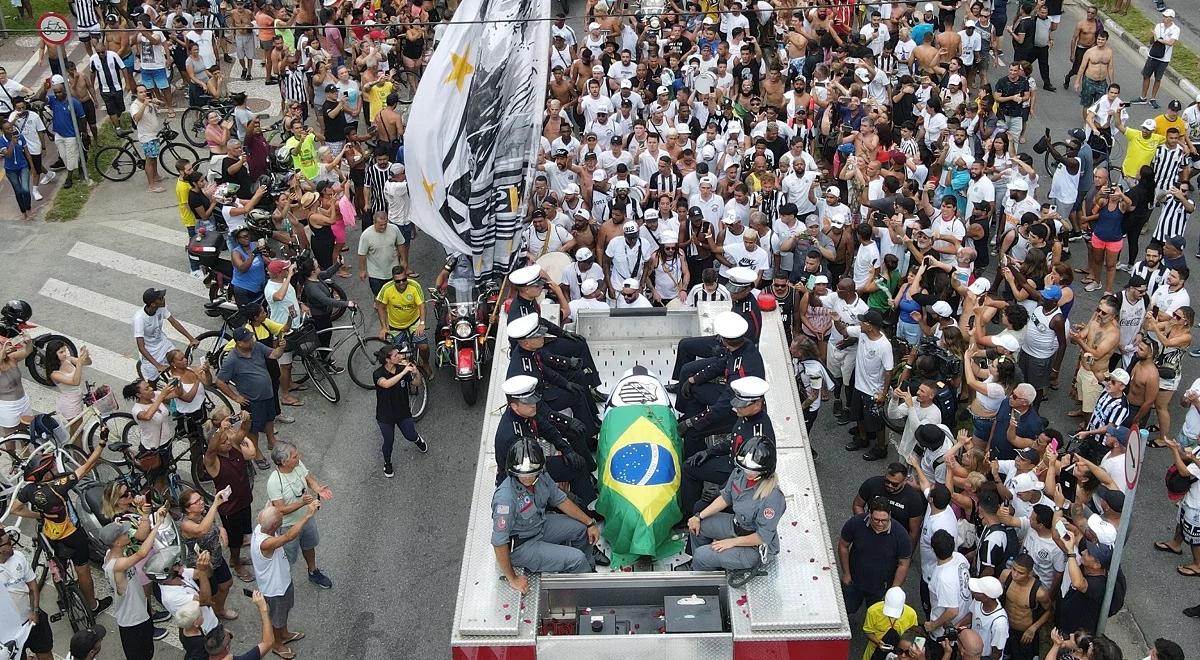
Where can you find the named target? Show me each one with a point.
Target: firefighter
(744, 304)
(561, 388)
(742, 541)
(715, 463)
(568, 350)
(522, 420)
(524, 535)
(704, 393)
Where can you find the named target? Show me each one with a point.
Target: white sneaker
(1123, 268)
(198, 274)
(37, 196)
(47, 177)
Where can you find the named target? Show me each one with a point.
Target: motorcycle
(207, 246)
(465, 339)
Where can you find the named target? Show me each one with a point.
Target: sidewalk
(1185, 17)
(1188, 32)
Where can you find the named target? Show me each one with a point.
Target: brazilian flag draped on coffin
(640, 458)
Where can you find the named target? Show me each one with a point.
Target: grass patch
(39, 7)
(1183, 59)
(69, 202)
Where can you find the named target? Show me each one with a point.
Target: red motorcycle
(465, 337)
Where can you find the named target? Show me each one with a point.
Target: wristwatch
(591, 524)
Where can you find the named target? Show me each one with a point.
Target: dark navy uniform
(512, 426)
(563, 346)
(719, 464)
(538, 542)
(692, 348)
(750, 516)
(558, 391)
(708, 405)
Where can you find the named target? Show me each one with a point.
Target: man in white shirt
(150, 334)
(846, 307)
(980, 189)
(988, 617)
(875, 34)
(631, 295)
(20, 583)
(948, 586)
(589, 298)
(580, 271)
(873, 364)
(1159, 57)
(626, 258)
(542, 237)
(272, 571)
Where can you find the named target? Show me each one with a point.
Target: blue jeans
(908, 331)
(20, 184)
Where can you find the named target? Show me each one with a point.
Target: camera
(1083, 446)
(949, 365)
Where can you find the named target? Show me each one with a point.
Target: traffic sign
(1133, 457)
(54, 28)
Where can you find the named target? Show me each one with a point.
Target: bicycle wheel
(215, 399)
(118, 424)
(79, 613)
(299, 371)
(212, 346)
(1048, 161)
(337, 293)
(172, 153)
(191, 125)
(103, 472)
(116, 163)
(202, 480)
(322, 379)
(35, 362)
(418, 398)
(363, 362)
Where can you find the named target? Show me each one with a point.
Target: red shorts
(1111, 246)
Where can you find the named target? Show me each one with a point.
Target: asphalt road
(392, 547)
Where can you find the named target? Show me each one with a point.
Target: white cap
(526, 275)
(1106, 533)
(710, 179)
(1149, 125)
(837, 220)
(942, 309)
(583, 254)
(521, 386)
(596, 68)
(599, 174)
(730, 219)
(928, 6)
(750, 387)
(741, 275)
(955, 79)
(1018, 183)
(630, 283)
(621, 185)
(980, 286)
(833, 191)
(627, 84)
(663, 89)
(734, 127)
(57, 79)
(571, 189)
(582, 213)
(1026, 482)
(588, 287)
(396, 168)
(988, 586)
(525, 327)
(630, 227)
(593, 26)
(709, 152)
(1168, 13)
(1120, 375)
(862, 74)
(969, 23)
(730, 325)
(669, 237)
(1007, 342)
(893, 602)
(650, 214)
(821, 279)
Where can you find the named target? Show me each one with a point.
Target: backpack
(1012, 545)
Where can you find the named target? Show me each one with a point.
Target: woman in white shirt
(151, 414)
(991, 386)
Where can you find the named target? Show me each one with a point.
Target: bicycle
(360, 361)
(364, 360)
(143, 472)
(192, 121)
(101, 411)
(118, 163)
(308, 361)
(69, 596)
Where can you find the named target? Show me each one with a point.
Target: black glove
(697, 458)
(576, 426)
(687, 424)
(573, 362)
(574, 461)
(685, 389)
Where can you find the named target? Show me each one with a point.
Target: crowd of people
(868, 171)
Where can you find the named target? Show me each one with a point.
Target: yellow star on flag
(428, 186)
(460, 68)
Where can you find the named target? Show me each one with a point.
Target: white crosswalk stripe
(103, 360)
(106, 306)
(150, 230)
(159, 275)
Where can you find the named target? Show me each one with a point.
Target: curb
(1116, 30)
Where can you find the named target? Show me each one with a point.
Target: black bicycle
(68, 595)
(193, 120)
(118, 163)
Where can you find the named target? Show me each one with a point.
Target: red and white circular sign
(54, 28)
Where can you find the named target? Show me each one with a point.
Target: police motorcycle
(465, 335)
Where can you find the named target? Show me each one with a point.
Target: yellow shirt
(877, 624)
(268, 329)
(1161, 124)
(1140, 150)
(403, 307)
(377, 96)
(186, 216)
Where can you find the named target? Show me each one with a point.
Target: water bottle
(1144, 434)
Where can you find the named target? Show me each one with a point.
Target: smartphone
(1054, 208)
(228, 490)
(919, 642)
(235, 419)
(1061, 528)
(249, 592)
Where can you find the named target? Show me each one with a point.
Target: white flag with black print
(14, 629)
(474, 129)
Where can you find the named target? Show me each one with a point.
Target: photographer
(15, 346)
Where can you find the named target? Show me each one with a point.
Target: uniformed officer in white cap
(584, 267)
(626, 257)
(744, 303)
(752, 492)
(525, 418)
(631, 295)
(524, 534)
(560, 389)
(528, 283)
(748, 403)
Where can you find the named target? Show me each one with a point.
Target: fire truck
(795, 611)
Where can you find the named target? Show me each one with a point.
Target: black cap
(151, 295)
(616, 139)
(1136, 282)
(873, 317)
(1115, 499)
(695, 212)
(1175, 105)
(330, 88)
(622, 168)
(85, 641)
(788, 209)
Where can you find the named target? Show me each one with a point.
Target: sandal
(262, 464)
(295, 404)
(244, 575)
(228, 615)
(1078, 413)
(294, 637)
(1163, 546)
(1154, 444)
(287, 653)
(1187, 572)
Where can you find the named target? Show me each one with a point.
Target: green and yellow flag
(640, 457)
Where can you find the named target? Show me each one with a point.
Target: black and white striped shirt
(1109, 410)
(1172, 220)
(203, 22)
(375, 178)
(768, 203)
(1167, 164)
(698, 294)
(293, 85)
(108, 71)
(85, 13)
(1155, 276)
(665, 184)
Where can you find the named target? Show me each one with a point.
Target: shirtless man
(307, 12)
(1097, 340)
(927, 58)
(609, 231)
(1143, 380)
(949, 44)
(773, 88)
(277, 56)
(795, 41)
(118, 42)
(389, 123)
(561, 88)
(1082, 39)
(1023, 589)
(241, 19)
(1095, 72)
(84, 89)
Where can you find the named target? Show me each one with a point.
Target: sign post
(1133, 469)
(56, 31)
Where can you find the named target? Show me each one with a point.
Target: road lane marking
(158, 274)
(103, 360)
(149, 230)
(106, 306)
